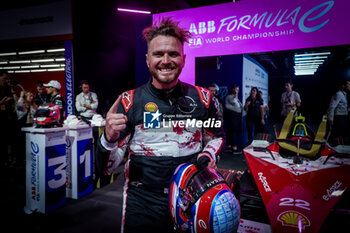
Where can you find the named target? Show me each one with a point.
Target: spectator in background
(16, 89)
(266, 108)
(41, 97)
(338, 111)
(25, 110)
(86, 101)
(289, 99)
(6, 117)
(254, 106)
(53, 90)
(233, 115)
(6, 97)
(214, 90)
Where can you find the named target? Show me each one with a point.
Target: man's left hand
(205, 160)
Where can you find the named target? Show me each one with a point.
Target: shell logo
(293, 219)
(151, 107)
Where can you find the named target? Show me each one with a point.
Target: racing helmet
(47, 115)
(201, 201)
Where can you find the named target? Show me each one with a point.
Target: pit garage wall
(50, 21)
(250, 26)
(29, 80)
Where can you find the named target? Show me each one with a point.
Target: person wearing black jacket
(161, 124)
(254, 106)
(41, 97)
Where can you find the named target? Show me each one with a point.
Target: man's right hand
(115, 122)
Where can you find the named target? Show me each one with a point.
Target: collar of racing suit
(175, 96)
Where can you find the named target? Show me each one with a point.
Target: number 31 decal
(287, 201)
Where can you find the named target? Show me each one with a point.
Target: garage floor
(97, 212)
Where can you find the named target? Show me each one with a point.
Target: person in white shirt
(234, 110)
(289, 99)
(338, 111)
(86, 102)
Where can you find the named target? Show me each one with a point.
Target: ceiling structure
(38, 57)
(196, 3)
(278, 63)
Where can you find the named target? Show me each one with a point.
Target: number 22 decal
(287, 201)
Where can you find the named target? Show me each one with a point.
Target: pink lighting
(134, 11)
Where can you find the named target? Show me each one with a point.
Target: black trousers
(340, 126)
(253, 122)
(147, 212)
(234, 127)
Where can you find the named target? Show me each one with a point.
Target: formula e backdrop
(272, 33)
(259, 26)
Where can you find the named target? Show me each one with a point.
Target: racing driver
(161, 124)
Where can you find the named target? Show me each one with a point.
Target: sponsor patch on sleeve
(128, 99)
(204, 96)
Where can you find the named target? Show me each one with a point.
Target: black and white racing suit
(59, 101)
(154, 154)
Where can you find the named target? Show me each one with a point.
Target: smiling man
(134, 124)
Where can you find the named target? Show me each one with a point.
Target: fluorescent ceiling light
(318, 62)
(43, 60)
(55, 50)
(301, 66)
(31, 52)
(57, 69)
(305, 68)
(11, 67)
(26, 67)
(3, 62)
(309, 58)
(63, 65)
(311, 54)
(22, 71)
(38, 70)
(133, 11)
(48, 66)
(10, 71)
(8, 54)
(304, 73)
(305, 65)
(60, 59)
(17, 62)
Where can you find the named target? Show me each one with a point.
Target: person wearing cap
(53, 90)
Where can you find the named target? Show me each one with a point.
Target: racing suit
(59, 101)
(154, 153)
